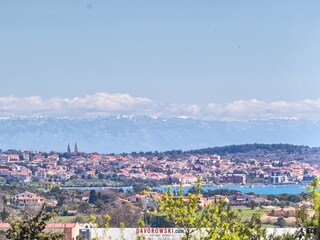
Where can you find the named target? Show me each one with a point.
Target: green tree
(181, 213)
(138, 188)
(280, 222)
(310, 225)
(100, 175)
(33, 228)
(4, 214)
(252, 204)
(314, 190)
(93, 196)
(219, 221)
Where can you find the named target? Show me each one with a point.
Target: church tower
(68, 148)
(76, 148)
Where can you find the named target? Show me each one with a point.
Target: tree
(180, 213)
(219, 221)
(93, 196)
(314, 190)
(125, 213)
(100, 175)
(272, 212)
(138, 188)
(4, 214)
(280, 222)
(252, 204)
(310, 225)
(32, 228)
(84, 207)
(282, 205)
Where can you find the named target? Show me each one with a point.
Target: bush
(281, 222)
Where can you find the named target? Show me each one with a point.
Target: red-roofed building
(70, 230)
(28, 199)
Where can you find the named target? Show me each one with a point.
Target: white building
(279, 179)
(41, 174)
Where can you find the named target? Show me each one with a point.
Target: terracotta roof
(29, 193)
(48, 226)
(32, 198)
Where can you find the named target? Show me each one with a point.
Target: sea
(256, 189)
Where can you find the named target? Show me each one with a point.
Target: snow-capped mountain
(127, 134)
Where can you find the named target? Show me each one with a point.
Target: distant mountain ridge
(128, 134)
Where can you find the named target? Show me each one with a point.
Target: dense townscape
(265, 164)
(74, 186)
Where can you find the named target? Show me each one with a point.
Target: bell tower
(76, 148)
(68, 148)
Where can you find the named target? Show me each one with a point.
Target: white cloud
(105, 104)
(99, 103)
(106, 101)
(254, 109)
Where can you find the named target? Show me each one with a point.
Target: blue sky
(173, 53)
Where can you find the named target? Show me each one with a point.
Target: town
(127, 187)
(75, 168)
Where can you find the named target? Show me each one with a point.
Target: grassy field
(267, 221)
(64, 219)
(247, 213)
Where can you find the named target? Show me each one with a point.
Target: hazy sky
(169, 52)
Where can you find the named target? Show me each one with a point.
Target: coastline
(256, 189)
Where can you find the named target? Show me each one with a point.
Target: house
(185, 179)
(278, 179)
(234, 178)
(70, 230)
(240, 198)
(206, 201)
(13, 158)
(85, 199)
(22, 176)
(4, 157)
(245, 198)
(28, 199)
(41, 174)
(144, 200)
(4, 172)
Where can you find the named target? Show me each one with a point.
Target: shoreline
(248, 185)
(240, 185)
(256, 189)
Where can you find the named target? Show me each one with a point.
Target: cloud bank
(105, 104)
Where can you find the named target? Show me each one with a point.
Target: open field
(267, 221)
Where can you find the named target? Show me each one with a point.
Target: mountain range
(128, 134)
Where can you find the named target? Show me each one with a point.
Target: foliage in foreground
(215, 221)
(33, 228)
(220, 222)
